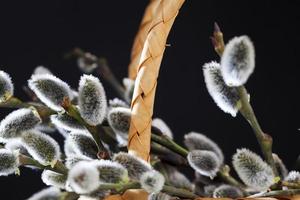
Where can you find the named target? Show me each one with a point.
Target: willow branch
(73, 112)
(170, 144)
(179, 192)
(290, 184)
(277, 193)
(59, 167)
(103, 71)
(264, 140)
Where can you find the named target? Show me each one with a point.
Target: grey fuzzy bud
(41, 70)
(227, 98)
(6, 87)
(51, 178)
(116, 102)
(18, 121)
(119, 120)
(152, 181)
(159, 196)
(87, 63)
(71, 161)
(293, 177)
(204, 162)
(238, 61)
(51, 193)
(50, 90)
(16, 145)
(41, 147)
(111, 172)
(163, 127)
(46, 127)
(176, 178)
(252, 170)
(66, 122)
(227, 191)
(281, 168)
(83, 144)
(134, 165)
(129, 88)
(209, 190)
(84, 178)
(9, 162)
(92, 100)
(198, 141)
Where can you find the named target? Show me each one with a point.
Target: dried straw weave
(146, 80)
(140, 38)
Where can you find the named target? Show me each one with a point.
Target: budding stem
(290, 184)
(264, 140)
(278, 193)
(170, 144)
(59, 167)
(73, 112)
(179, 192)
(103, 70)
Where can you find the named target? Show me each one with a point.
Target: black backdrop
(39, 32)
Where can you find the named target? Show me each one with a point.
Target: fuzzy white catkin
(71, 161)
(51, 178)
(6, 87)
(50, 193)
(17, 121)
(46, 127)
(87, 63)
(9, 162)
(204, 162)
(252, 170)
(41, 147)
(159, 196)
(129, 88)
(50, 90)
(293, 176)
(83, 144)
(91, 100)
(66, 122)
(227, 98)
(152, 181)
(238, 61)
(116, 102)
(227, 191)
(163, 127)
(16, 145)
(119, 120)
(111, 172)
(177, 179)
(198, 141)
(84, 178)
(41, 70)
(134, 165)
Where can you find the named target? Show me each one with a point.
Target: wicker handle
(140, 38)
(146, 79)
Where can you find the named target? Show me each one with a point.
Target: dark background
(39, 32)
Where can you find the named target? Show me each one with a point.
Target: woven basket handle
(147, 74)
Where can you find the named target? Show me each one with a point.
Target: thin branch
(73, 112)
(103, 70)
(264, 140)
(59, 167)
(179, 192)
(277, 193)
